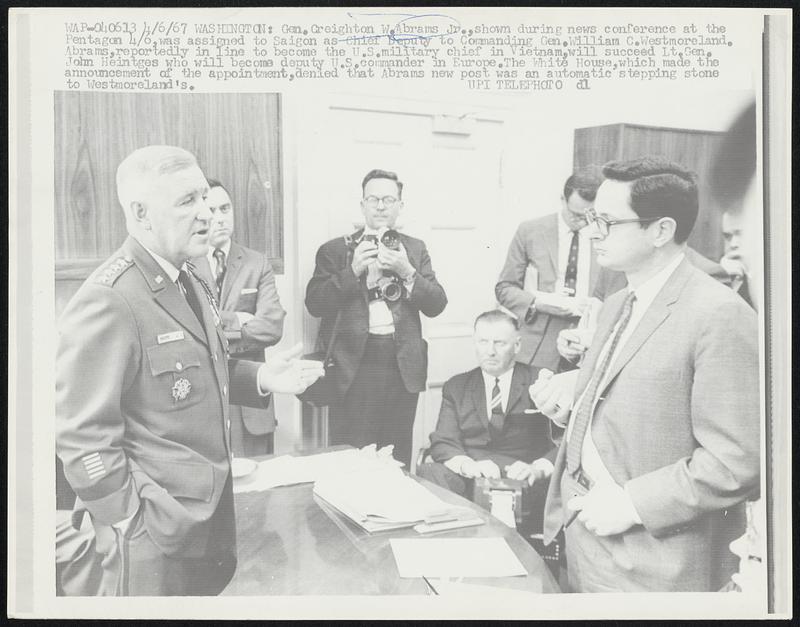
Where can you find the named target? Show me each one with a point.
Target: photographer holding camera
(375, 282)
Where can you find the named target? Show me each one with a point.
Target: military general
(143, 385)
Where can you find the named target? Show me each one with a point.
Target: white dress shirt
(591, 462)
(505, 389)
(584, 256)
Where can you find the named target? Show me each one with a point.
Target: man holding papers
(661, 446)
(488, 426)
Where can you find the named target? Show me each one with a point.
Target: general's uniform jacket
(142, 393)
(334, 286)
(248, 286)
(536, 244)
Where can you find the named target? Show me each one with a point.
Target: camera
(388, 287)
(389, 238)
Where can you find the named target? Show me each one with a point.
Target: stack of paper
(290, 470)
(384, 499)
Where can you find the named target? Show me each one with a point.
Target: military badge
(181, 389)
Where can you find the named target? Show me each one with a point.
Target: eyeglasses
(388, 201)
(603, 225)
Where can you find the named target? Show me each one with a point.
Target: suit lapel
(479, 397)
(518, 384)
(653, 318)
(232, 270)
(601, 337)
(166, 293)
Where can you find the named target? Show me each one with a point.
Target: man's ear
(139, 213)
(665, 231)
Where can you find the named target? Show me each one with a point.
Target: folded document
(385, 499)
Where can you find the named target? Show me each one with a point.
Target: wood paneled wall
(691, 148)
(235, 137)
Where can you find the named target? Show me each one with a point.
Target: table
(290, 542)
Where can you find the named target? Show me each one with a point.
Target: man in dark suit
(550, 271)
(143, 382)
(250, 310)
(487, 424)
(380, 356)
(661, 446)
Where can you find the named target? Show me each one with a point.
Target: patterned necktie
(571, 274)
(185, 283)
(219, 276)
(584, 414)
(497, 400)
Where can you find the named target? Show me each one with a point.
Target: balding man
(143, 384)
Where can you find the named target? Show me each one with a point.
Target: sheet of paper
(455, 557)
(503, 507)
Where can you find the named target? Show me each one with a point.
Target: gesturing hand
(285, 373)
(553, 394)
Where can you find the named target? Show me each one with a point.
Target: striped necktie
(219, 275)
(497, 400)
(584, 414)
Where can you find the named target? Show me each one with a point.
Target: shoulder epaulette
(114, 270)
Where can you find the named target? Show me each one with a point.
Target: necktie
(584, 414)
(186, 287)
(219, 276)
(571, 274)
(497, 400)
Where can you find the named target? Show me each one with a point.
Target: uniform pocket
(176, 366)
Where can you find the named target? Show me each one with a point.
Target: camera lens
(392, 291)
(391, 239)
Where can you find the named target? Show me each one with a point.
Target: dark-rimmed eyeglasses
(603, 225)
(388, 201)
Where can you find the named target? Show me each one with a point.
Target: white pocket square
(249, 290)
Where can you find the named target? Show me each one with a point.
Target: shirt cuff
(409, 282)
(261, 392)
(634, 514)
(242, 317)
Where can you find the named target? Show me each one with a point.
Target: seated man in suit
(485, 428)
(250, 310)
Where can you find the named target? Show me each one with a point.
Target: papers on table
(385, 498)
(289, 470)
(455, 557)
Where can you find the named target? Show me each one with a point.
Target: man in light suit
(661, 446)
(550, 272)
(250, 310)
(143, 382)
(487, 424)
(381, 359)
